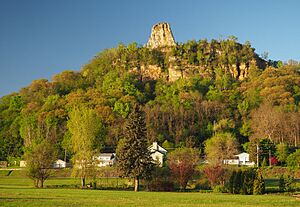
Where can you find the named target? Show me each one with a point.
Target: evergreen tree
(231, 182)
(248, 180)
(238, 182)
(134, 158)
(281, 183)
(259, 184)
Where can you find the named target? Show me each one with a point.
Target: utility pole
(65, 158)
(257, 155)
(214, 127)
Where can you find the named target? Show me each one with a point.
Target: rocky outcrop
(174, 74)
(161, 36)
(151, 72)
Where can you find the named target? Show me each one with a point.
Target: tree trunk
(82, 182)
(136, 184)
(41, 183)
(36, 183)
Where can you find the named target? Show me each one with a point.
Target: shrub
(274, 161)
(220, 189)
(289, 183)
(293, 160)
(161, 185)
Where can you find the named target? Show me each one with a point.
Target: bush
(161, 185)
(286, 183)
(220, 189)
(293, 160)
(13, 161)
(289, 183)
(276, 171)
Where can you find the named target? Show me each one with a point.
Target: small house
(240, 159)
(158, 153)
(59, 164)
(105, 159)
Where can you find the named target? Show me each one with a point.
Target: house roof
(60, 161)
(105, 155)
(242, 154)
(156, 148)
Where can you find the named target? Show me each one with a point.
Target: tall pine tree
(134, 158)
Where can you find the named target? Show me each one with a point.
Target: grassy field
(15, 190)
(28, 197)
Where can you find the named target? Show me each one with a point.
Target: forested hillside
(189, 92)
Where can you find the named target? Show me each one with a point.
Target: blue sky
(40, 38)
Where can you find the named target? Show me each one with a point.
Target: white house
(241, 159)
(22, 163)
(105, 159)
(59, 164)
(158, 153)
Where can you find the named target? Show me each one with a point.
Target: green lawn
(75, 197)
(18, 191)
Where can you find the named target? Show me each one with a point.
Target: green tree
(167, 145)
(39, 143)
(134, 158)
(293, 160)
(282, 152)
(221, 146)
(39, 161)
(86, 135)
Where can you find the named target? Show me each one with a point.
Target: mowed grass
(18, 191)
(75, 197)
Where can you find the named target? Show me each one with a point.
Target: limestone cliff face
(161, 36)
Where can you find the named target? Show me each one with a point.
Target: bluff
(199, 58)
